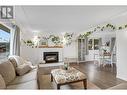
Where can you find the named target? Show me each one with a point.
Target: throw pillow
(18, 59)
(22, 69)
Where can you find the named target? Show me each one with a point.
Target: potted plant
(66, 66)
(56, 40)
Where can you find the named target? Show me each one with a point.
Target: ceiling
(64, 18)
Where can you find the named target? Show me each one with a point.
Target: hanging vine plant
(68, 38)
(101, 28)
(112, 27)
(81, 36)
(28, 42)
(55, 39)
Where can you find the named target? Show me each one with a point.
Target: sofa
(9, 79)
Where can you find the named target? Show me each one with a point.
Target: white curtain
(100, 46)
(15, 41)
(86, 46)
(113, 40)
(82, 48)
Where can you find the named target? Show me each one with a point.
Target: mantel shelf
(50, 46)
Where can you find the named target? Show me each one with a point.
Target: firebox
(51, 57)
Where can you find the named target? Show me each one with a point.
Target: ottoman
(72, 75)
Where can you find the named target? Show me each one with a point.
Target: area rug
(46, 83)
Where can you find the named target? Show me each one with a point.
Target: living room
(63, 47)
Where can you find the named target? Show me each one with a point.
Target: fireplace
(51, 57)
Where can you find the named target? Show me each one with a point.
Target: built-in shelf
(81, 49)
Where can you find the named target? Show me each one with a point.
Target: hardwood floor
(103, 77)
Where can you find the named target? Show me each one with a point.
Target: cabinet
(93, 44)
(82, 49)
(87, 48)
(93, 47)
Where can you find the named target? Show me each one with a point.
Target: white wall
(29, 53)
(121, 46)
(71, 50)
(35, 54)
(121, 39)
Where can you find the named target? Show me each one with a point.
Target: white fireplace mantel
(35, 55)
(59, 50)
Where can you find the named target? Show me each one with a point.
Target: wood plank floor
(104, 77)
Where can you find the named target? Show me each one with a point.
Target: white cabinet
(93, 54)
(93, 46)
(82, 49)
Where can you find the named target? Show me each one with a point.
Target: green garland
(28, 42)
(111, 26)
(55, 39)
(68, 36)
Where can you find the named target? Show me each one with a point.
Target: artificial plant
(28, 42)
(55, 39)
(68, 38)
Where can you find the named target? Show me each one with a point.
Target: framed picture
(43, 42)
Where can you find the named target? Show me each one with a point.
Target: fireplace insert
(51, 57)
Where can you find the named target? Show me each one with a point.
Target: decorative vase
(66, 66)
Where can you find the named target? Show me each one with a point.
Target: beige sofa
(12, 81)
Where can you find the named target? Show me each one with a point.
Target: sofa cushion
(30, 64)
(19, 60)
(2, 83)
(32, 75)
(22, 69)
(7, 70)
(27, 85)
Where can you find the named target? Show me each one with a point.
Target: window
(4, 42)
